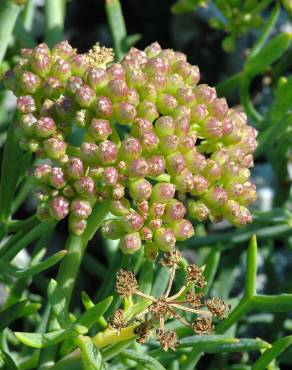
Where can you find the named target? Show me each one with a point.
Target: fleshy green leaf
(91, 356)
(6, 362)
(89, 317)
(10, 314)
(272, 51)
(58, 302)
(143, 359)
(270, 354)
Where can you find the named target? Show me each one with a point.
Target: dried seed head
(194, 299)
(117, 322)
(218, 307)
(195, 276)
(171, 259)
(168, 339)
(126, 283)
(203, 325)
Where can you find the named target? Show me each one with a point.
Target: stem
(54, 16)
(17, 225)
(227, 86)
(108, 336)
(246, 102)
(117, 26)
(8, 15)
(251, 268)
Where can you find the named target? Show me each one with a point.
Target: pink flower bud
(147, 110)
(119, 207)
(116, 72)
(26, 104)
(216, 197)
(198, 210)
(146, 233)
(193, 77)
(104, 108)
(218, 108)
(212, 171)
(59, 207)
(175, 163)
(108, 152)
(156, 65)
(152, 50)
(100, 129)
(200, 185)
(143, 208)
(80, 208)
(52, 88)
(130, 149)
(73, 84)
(45, 127)
(174, 211)
(61, 70)
(156, 165)
(180, 112)
(162, 192)
(97, 78)
(140, 127)
(185, 96)
(77, 225)
(230, 171)
(169, 144)
(118, 191)
(157, 210)
(124, 113)
(135, 78)
(112, 229)
(187, 142)
(29, 82)
(165, 239)
(40, 64)
(148, 92)
(196, 162)
(42, 173)
(85, 186)
(140, 189)
(183, 230)
(198, 113)
(118, 90)
(28, 123)
(205, 94)
(212, 128)
(132, 221)
(149, 142)
(138, 168)
(55, 148)
(110, 176)
(155, 224)
(182, 126)
(184, 181)
(85, 96)
(63, 50)
(79, 64)
(130, 243)
(164, 126)
(57, 178)
(221, 156)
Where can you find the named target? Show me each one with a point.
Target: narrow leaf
(90, 317)
(90, 354)
(58, 302)
(10, 314)
(143, 359)
(6, 361)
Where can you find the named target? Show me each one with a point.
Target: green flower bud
(89, 154)
(184, 182)
(61, 70)
(140, 189)
(183, 230)
(130, 149)
(198, 210)
(55, 148)
(28, 123)
(77, 225)
(148, 92)
(151, 251)
(112, 229)
(43, 212)
(52, 88)
(124, 112)
(164, 126)
(165, 239)
(119, 207)
(118, 90)
(80, 208)
(174, 211)
(200, 185)
(166, 103)
(63, 50)
(45, 127)
(175, 163)
(29, 82)
(216, 197)
(169, 144)
(162, 192)
(100, 129)
(59, 207)
(147, 110)
(149, 143)
(97, 78)
(140, 127)
(132, 221)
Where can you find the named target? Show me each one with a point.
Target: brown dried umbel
(167, 306)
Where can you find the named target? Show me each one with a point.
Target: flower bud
(138, 168)
(10, 81)
(212, 171)
(149, 143)
(143, 208)
(155, 224)
(152, 50)
(40, 64)
(200, 185)
(198, 210)
(193, 76)
(140, 189)
(221, 156)
(85, 186)
(205, 94)
(169, 144)
(85, 96)
(218, 108)
(73, 84)
(133, 97)
(181, 111)
(80, 208)
(175, 163)
(61, 70)
(216, 197)
(148, 92)
(156, 165)
(117, 90)
(164, 126)
(162, 192)
(89, 154)
(57, 178)
(68, 192)
(198, 113)
(151, 251)
(112, 229)
(185, 96)
(42, 173)
(118, 191)
(130, 149)
(174, 211)
(29, 82)
(97, 78)
(104, 107)
(59, 207)
(79, 64)
(187, 142)
(156, 65)
(147, 110)
(136, 78)
(124, 112)
(132, 221)
(55, 148)
(184, 182)
(75, 168)
(110, 176)
(27, 124)
(77, 225)
(44, 213)
(164, 238)
(183, 230)
(63, 50)
(100, 129)
(173, 83)
(26, 104)
(108, 152)
(119, 207)
(146, 233)
(196, 162)
(65, 107)
(157, 210)
(166, 103)
(52, 88)
(45, 127)
(130, 243)
(140, 127)
(212, 128)
(182, 126)
(116, 72)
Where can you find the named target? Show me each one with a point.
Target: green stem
(8, 15)
(228, 85)
(117, 26)
(246, 102)
(17, 225)
(54, 16)
(28, 15)
(251, 268)
(241, 309)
